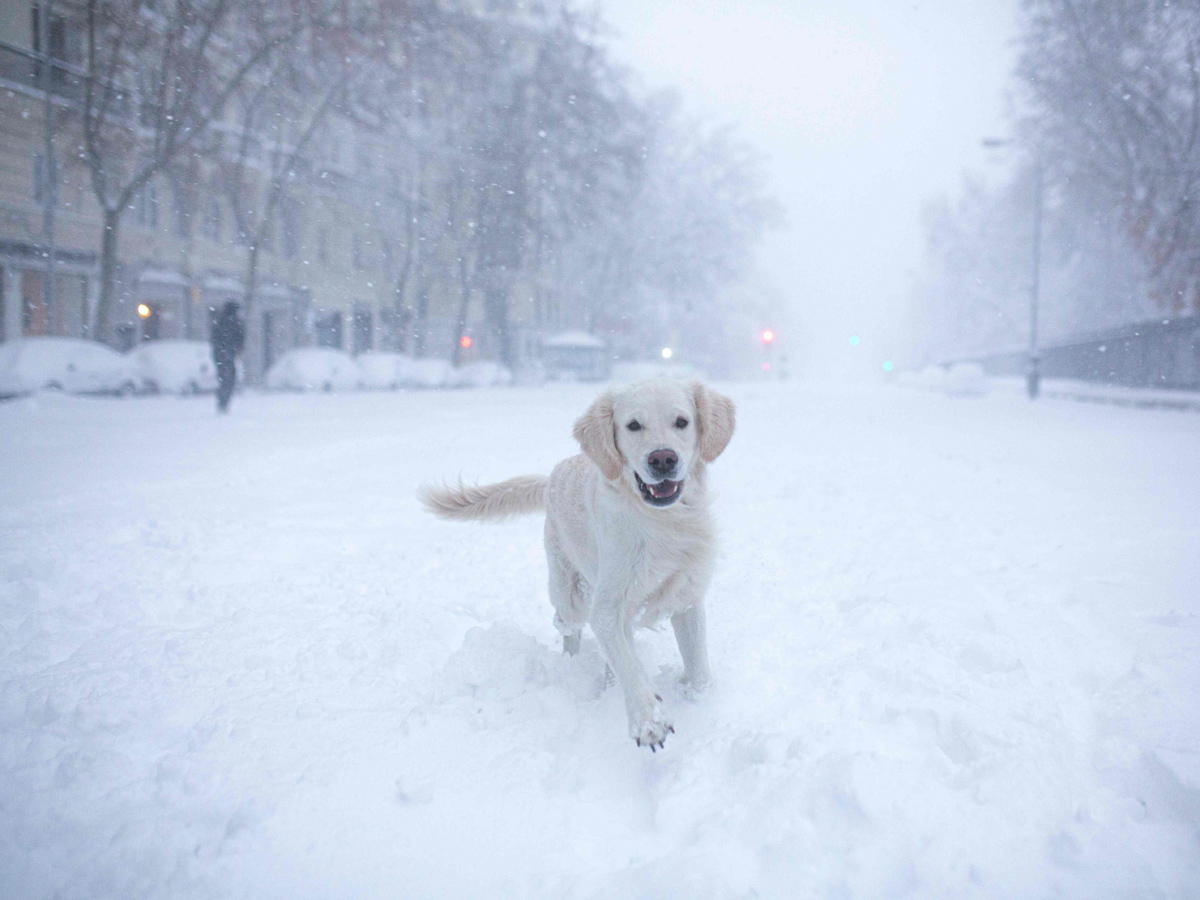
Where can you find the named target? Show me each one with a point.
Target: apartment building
(326, 271)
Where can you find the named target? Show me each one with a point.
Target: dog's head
(651, 436)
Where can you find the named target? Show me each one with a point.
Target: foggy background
(879, 188)
(866, 112)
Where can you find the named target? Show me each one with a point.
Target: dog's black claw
(658, 698)
(639, 741)
(671, 728)
(653, 749)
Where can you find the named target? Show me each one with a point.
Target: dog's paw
(651, 730)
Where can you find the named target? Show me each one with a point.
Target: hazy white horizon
(866, 110)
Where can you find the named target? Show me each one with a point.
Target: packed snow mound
(426, 373)
(632, 372)
(482, 374)
(383, 371)
(575, 339)
(314, 369)
(966, 380)
(66, 364)
(176, 366)
(931, 378)
(499, 663)
(959, 380)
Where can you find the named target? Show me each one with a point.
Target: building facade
(327, 262)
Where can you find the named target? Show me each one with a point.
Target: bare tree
(1113, 88)
(159, 75)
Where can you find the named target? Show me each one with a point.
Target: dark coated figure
(228, 336)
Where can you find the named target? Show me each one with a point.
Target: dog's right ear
(594, 431)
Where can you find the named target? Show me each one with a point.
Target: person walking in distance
(228, 336)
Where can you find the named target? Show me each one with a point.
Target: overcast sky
(865, 109)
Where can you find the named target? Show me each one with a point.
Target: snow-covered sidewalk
(955, 643)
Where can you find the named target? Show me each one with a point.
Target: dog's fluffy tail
(461, 502)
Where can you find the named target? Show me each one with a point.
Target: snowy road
(956, 647)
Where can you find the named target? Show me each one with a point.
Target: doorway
(151, 316)
(363, 330)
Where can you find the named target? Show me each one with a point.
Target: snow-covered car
(383, 371)
(176, 367)
(480, 374)
(426, 373)
(66, 364)
(314, 369)
(966, 380)
(631, 372)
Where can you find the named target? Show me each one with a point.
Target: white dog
(629, 537)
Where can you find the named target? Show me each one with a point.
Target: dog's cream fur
(616, 560)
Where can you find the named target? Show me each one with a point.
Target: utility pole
(1033, 375)
(49, 164)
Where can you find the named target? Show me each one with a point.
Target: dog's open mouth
(661, 493)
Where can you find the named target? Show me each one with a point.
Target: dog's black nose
(663, 462)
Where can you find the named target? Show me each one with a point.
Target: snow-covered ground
(955, 645)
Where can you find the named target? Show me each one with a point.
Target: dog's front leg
(693, 645)
(613, 627)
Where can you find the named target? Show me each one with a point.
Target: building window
(322, 245)
(39, 179)
(363, 331)
(212, 220)
(146, 204)
(34, 317)
(290, 222)
(183, 213)
(329, 330)
(266, 239)
(58, 35)
(66, 45)
(41, 182)
(356, 252)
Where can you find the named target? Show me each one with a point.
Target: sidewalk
(1117, 395)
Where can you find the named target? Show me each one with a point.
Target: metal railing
(1164, 353)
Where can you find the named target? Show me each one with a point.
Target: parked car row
(325, 369)
(86, 367)
(186, 367)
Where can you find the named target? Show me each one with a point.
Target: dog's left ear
(594, 431)
(715, 415)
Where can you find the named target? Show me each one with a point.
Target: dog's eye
(681, 422)
(635, 425)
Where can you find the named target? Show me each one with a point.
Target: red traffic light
(466, 342)
(768, 336)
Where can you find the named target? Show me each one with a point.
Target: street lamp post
(1033, 375)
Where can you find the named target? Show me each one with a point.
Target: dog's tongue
(663, 488)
